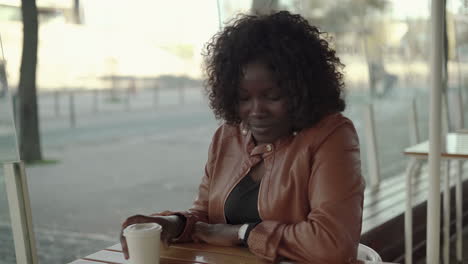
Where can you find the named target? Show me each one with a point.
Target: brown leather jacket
(310, 198)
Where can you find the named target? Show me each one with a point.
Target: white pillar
(372, 151)
(410, 171)
(459, 184)
(446, 211)
(433, 209)
(220, 17)
(413, 123)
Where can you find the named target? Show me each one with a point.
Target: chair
(366, 253)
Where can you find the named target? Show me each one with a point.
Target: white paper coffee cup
(143, 242)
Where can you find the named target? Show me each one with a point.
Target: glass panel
(228, 9)
(8, 153)
(141, 127)
(7, 250)
(8, 143)
(383, 45)
(457, 31)
(124, 120)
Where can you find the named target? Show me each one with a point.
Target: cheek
(243, 110)
(280, 109)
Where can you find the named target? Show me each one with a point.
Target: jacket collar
(263, 149)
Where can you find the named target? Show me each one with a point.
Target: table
(456, 148)
(180, 253)
(187, 253)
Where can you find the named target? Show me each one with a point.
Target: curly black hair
(306, 67)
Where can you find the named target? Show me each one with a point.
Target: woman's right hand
(172, 226)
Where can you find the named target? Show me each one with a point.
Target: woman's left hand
(216, 234)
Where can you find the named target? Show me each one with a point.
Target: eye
(273, 96)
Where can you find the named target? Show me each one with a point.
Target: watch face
(242, 231)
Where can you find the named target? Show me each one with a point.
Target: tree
(76, 11)
(30, 145)
(263, 6)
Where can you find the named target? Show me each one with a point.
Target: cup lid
(142, 230)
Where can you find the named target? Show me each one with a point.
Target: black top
(241, 204)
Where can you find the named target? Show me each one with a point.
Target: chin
(264, 139)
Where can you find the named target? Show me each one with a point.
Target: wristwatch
(241, 233)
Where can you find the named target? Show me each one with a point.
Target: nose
(258, 108)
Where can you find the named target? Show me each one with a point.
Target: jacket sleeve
(331, 232)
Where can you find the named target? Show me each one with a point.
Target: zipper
(265, 176)
(258, 198)
(260, 191)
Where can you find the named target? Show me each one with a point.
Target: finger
(166, 243)
(199, 227)
(125, 252)
(195, 238)
(131, 220)
(135, 220)
(202, 230)
(128, 222)
(123, 242)
(165, 240)
(201, 224)
(199, 237)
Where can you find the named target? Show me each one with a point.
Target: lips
(260, 128)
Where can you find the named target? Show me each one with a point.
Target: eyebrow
(267, 90)
(259, 81)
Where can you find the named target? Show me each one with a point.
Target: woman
(283, 173)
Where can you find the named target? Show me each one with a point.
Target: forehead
(257, 71)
